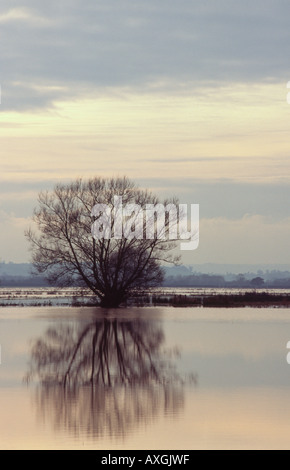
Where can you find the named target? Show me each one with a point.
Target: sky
(186, 98)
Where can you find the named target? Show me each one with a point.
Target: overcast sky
(186, 98)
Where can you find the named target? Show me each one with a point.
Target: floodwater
(144, 378)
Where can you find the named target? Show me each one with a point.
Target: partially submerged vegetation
(201, 298)
(243, 299)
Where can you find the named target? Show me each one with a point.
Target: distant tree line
(214, 280)
(193, 280)
(23, 281)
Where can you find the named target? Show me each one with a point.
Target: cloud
(13, 246)
(21, 15)
(249, 240)
(76, 45)
(239, 222)
(218, 198)
(252, 239)
(227, 198)
(15, 14)
(17, 202)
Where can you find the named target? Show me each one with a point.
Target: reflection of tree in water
(104, 378)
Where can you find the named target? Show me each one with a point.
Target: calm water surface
(144, 378)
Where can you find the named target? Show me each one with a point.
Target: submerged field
(179, 297)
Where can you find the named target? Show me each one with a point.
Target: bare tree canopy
(77, 242)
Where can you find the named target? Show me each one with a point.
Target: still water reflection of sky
(144, 378)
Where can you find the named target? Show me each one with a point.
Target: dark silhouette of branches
(64, 249)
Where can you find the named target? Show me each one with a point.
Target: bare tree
(66, 250)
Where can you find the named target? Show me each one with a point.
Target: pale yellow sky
(236, 132)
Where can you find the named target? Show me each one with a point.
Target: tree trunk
(112, 300)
